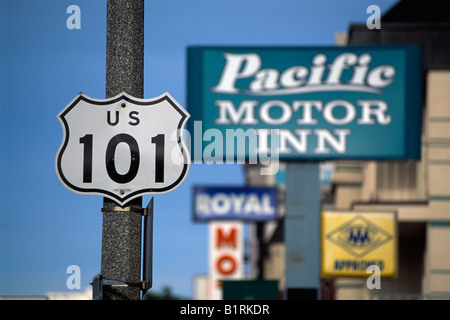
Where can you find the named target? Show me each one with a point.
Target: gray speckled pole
(121, 238)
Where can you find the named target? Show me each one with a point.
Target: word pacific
(300, 79)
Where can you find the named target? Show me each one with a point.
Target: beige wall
(420, 192)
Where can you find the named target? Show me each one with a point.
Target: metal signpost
(124, 73)
(123, 147)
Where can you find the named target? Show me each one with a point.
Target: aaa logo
(359, 236)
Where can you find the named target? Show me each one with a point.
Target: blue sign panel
(306, 103)
(235, 203)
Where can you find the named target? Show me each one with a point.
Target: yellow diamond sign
(353, 241)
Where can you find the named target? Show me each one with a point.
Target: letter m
(228, 114)
(226, 239)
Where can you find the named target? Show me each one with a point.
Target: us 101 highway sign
(122, 147)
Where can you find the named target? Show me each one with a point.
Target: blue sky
(44, 227)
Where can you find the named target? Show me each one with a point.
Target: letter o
(350, 112)
(134, 156)
(220, 203)
(223, 268)
(285, 108)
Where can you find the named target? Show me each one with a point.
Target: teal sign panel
(305, 103)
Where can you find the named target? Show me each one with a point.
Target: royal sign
(235, 203)
(311, 103)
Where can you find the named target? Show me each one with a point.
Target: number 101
(87, 141)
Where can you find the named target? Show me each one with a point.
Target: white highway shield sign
(122, 147)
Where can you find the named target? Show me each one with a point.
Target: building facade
(419, 191)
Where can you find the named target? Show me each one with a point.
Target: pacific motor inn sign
(354, 102)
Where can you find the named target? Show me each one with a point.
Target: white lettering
(74, 280)
(265, 80)
(361, 69)
(213, 152)
(269, 160)
(220, 204)
(249, 63)
(241, 137)
(252, 204)
(237, 200)
(266, 207)
(306, 112)
(227, 112)
(300, 145)
(301, 79)
(374, 21)
(201, 203)
(341, 62)
(286, 112)
(241, 203)
(373, 281)
(74, 21)
(381, 76)
(294, 77)
(350, 112)
(317, 70)
(338, 144)
(379, 112)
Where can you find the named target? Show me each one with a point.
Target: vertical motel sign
(320, 103)
(226, 255)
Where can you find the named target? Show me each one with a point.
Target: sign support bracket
(100, 282)
(147, 268)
